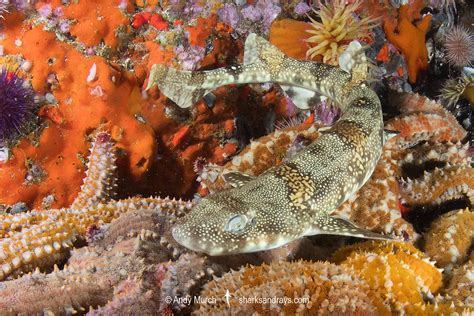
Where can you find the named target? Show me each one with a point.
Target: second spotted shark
(296, 198)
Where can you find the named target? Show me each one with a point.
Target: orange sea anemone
(337, 28)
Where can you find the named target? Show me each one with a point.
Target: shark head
(219, 225)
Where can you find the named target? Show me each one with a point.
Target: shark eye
(236, 223)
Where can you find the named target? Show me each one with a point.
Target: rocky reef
(95, 170)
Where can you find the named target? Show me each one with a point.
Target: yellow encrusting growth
(338, 27)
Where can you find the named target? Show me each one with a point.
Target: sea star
(41, 238)
(410, 39)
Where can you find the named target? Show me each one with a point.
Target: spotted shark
(296, 198)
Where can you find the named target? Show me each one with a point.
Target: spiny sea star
(39, 239)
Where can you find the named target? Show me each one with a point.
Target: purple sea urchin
(459, 46)
(16, 105)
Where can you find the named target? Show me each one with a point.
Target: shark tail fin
(175, 85)
(354, 62)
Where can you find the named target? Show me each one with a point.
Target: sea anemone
(3, 8)
(454, 89)
(459, 46)
(338, 27)
(16, 105)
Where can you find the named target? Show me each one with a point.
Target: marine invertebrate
(262, 154)
(100, 181)
(58, 148)
(17, 105)
(449, 238)
(239, 220)
(423, 120)
(376, 205)
(89, 279)
(443, 184)
(410, 39)
(461, 285)
(454, 89)
(39, 239)
(398, 272)
(290, 36)
(3, 9)
(298, 287)
(338, 27)
(459, 46)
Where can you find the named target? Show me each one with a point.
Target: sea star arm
(100, 182)
(424, 24)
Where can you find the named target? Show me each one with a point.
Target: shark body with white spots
(296, 198)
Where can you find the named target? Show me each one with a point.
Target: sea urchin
(459, 46)
(16, 105)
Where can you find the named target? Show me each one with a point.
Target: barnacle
(338, 27)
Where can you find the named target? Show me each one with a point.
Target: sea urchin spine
(16, 105)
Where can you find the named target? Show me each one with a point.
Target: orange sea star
(410, 39)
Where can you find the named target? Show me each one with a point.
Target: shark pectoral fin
(173, 84)
(237, 179)
(333, 225)
(302, 98)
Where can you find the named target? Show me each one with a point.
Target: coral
(315, 288)
(41, 238)
(395, 271)
(338, 27)
(459, 46)
(17, 105)
(449, 238)
(410, 39)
